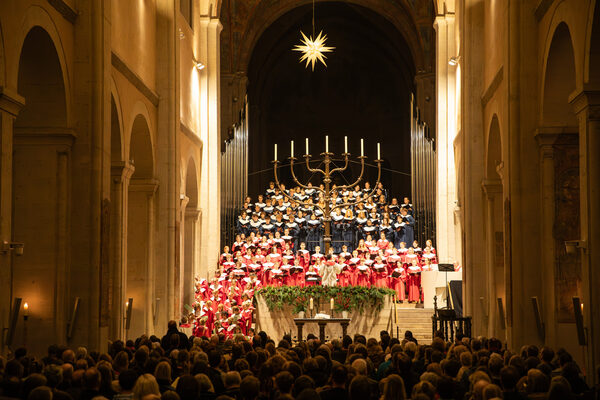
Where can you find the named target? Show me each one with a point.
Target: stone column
(493, 194)
(586, 104)
(191, 245)
(180, 273)
(121, 173)
(446, 126)
(548, 301)
(10, 105)
(210, 29)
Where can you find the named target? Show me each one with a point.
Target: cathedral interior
(132, 131)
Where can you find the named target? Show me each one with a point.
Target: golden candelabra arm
(360, 177)
(368, 195)
(288, 196)
(313, 170)
(341, 169)
(292, 159)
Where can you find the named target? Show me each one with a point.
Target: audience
(218, 368)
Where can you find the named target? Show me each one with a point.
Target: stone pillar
(10, 105)
(493, 193)
(586, 104)
(548, 301)
(210, 29)
(121, 173)
(446, 126)
(180, 273)
(190, 253)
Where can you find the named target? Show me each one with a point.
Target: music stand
(446, 268)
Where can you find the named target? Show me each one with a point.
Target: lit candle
(26, 309)
(306, 146)
(378, 151)
(331, 304)
(345, 144)
(275, 151)
(311, 303)
(326, 144)
(362, 148)
(292, 149)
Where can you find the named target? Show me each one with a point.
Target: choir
(279, 242)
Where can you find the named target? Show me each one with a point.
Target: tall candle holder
(327, 173)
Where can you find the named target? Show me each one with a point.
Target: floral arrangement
(346, 298)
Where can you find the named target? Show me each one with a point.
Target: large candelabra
(327, 173)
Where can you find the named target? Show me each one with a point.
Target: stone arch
(266, 13)
(40, 187)
(494, 150)
(559, 80)
(41, 83)
(494, 222)
(38, 17)
(190, 231)
(592, 56)
(141, 154)
(2, 59)
(116, 125)
(140, 228)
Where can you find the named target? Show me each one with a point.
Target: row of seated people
(179, 367)
(349, 223)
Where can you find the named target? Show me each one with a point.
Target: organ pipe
(234, 176)
(423, 176)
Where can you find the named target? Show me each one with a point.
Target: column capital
(491, 187)
(193, 213)
(586, 100)
(121, 171)
(11, 101)
(149, 186)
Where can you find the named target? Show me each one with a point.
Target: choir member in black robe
(409, 232)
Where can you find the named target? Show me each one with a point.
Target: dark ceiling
(363, 93)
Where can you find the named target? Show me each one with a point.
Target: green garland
(346, 298)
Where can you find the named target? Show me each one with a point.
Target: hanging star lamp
(313, 46)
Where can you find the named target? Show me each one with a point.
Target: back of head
(509, 376)
(360, 366)
(492, 391)
(162, 372)
(187, 387)
(451, 367)
(559, 389)
(301, 383)
(31, 382)
(360, 388)
(284, 381)
(54, 375)
(170, 395)
(537, 382)
(145, 385)
(308, 394)
(214, 358)
(232, 379)
(127, 379)
(339, 375)
(171, 325)
(249, 388)
(393, 388)
(40, 393)
(91, 379)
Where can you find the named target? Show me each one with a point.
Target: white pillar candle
(311, 303)
(275, 151)
(362, 147)
(378, 151)
(331, 304)
(292, 149)
(306, 146)
(345, 144)
(326, 144)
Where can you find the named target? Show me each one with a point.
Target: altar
(434, 284)
(322, 322)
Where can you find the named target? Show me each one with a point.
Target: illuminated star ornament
(313, 49)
